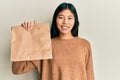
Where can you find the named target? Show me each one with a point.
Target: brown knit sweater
(72, 60)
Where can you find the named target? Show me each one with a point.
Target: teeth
(64, 27)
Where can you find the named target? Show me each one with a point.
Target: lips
(64, 27)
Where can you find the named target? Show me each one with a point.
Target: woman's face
(65, 21)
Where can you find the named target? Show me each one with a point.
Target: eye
(60, 17)
(70, 18)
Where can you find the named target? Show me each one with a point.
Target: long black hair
(61, 7)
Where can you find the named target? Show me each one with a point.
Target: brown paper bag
(31, 45)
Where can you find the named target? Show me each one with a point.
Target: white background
(99, 23)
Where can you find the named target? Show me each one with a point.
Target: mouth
(64, 27)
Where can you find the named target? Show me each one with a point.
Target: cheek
(58, 23)
(72, 24)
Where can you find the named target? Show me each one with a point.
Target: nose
(65, 20)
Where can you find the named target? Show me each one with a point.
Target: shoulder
(85, 44)
(83, 41)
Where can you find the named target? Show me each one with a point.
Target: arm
(19, 67)
(89, 64)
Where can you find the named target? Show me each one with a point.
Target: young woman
(72, 57)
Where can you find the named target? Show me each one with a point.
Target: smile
(64, 27)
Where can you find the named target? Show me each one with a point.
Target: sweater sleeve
(20, 67)
(89, 64)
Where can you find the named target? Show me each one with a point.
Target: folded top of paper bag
(31, 45)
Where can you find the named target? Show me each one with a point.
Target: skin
(28, 25)
(65, 22)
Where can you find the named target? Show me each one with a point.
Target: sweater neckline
(66, 39)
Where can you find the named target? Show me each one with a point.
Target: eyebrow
(63, 15)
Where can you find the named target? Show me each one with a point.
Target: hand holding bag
(31, 45)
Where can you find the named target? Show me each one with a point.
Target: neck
(63, 36)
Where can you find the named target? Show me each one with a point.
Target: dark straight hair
(61, 7)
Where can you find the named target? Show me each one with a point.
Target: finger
(26, 25)
(29, 25)
(23, 25)
(32, 24)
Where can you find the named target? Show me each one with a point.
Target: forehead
(65, 12)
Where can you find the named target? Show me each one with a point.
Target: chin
(65, 32)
